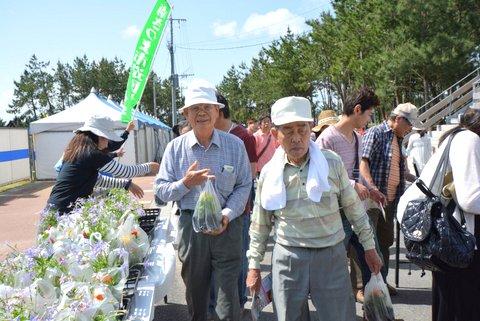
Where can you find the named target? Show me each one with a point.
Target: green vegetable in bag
(207, 214)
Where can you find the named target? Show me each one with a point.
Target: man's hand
(193, 177)
(254, 280)
(373, 261)
(378, 196)
(154, 167)
(120, 152)
(362, 191)
(222, 228)
(136, 190)
(130, 126)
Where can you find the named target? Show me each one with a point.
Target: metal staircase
(450, 100)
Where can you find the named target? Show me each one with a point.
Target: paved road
(413, 302)
(19, 209)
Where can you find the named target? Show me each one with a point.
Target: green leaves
(406, 50)
(42, 91)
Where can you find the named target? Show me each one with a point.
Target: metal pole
(172, 77)
(397, 253)
(154, 79)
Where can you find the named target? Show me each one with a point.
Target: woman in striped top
(84, 158)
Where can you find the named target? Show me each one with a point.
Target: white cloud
(274, 23)
(5, 99)
(131, 32)
(227, 29)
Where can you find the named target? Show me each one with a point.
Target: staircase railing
(449, 101)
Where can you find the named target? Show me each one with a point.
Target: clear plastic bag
(263, 298)
(377, 303)
(207, 216)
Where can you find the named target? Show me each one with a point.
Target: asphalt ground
(19, 213)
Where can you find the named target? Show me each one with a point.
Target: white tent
(52, 134)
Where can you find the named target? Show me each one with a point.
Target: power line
(246, 33)
(228, 48)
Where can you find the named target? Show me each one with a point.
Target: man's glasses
(408, 121)
(197, 108)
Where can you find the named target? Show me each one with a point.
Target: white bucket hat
(291, 109)
(200, 92)
(101, 126)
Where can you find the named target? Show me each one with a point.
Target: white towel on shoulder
(274, 196)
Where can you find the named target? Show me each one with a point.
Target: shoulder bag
(434, 239)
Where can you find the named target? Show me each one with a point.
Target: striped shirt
(394, 175)
(332, 139)
(125, 171)
(304, 223)
(225, 157)
(377, 149)
(110, 182)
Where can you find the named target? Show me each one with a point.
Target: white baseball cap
(101, 126)
(291, 109)
(410, 112)
(200, 92)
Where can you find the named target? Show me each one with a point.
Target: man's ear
(357, 109)
(274, 132)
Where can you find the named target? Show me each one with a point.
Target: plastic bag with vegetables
(207, 216)
(377, 303)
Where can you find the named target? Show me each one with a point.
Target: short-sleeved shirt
(248, 140)
(377, 148)
(332, 139)
(77, 179)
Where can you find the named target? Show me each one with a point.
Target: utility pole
(154, 80)
(173, 76)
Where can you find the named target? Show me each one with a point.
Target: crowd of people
(329, 192)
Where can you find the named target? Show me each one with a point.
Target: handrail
(442, 93)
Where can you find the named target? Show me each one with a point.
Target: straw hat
(326, 118)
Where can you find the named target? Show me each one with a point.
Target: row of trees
(42, 90)
(407, 50)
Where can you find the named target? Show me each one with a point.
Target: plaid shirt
(226, 158)
(377, 148)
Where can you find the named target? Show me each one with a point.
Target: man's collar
(384, 126)
(286, 161)
(192, 139)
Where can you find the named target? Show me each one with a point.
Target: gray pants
(203, 254)
(322, 272)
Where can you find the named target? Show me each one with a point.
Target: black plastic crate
(147, 221)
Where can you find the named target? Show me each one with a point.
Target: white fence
(14, 155)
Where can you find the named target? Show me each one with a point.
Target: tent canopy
(74, 117)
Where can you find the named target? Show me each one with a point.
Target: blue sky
(62, 30)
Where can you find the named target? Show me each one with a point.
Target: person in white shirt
(456, 292)
(419, 148)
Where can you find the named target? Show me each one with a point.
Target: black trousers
(456, 293)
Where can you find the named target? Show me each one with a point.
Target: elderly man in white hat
(188, 161)
(300, 192)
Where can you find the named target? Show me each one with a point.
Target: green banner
(144, 55)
